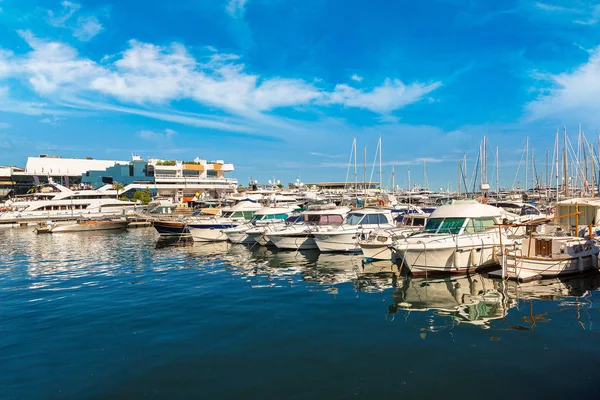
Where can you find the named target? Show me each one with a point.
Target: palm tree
(118, 187)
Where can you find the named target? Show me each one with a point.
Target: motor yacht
(356, 226)
(458, 238)
(299, 236)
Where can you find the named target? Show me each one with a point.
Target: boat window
(383, 219)
(370, 219)
(452, 225)
(237, 214)
(227, 214)
(354, 219)
(331, 219)
(418, 221)
(248, 214)
(432, 225)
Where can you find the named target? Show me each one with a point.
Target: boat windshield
(444, 225)
(353, 219)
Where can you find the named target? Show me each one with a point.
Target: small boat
(357, 226)
(299, 236)
(171, 228)
(263, 221)
(551, 256)
(462, 237)
(85, 226)
(377, 245)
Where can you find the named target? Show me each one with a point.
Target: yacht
(541, 256)
(377, 245)
(209, 228)
(299, 236)
(56, 201)
(357, 225)
(263, 220)
(458, 238)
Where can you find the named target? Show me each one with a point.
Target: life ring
(482, 200)
(381, 203)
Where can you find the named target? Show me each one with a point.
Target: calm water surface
(127, 315)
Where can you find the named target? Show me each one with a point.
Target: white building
(72, 167)
(184, 180)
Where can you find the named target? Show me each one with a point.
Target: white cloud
(54, 65)
(356, 78)
(84, 28)
(235, 8)
(53, 120)
(60, 18)
(570, 94)
(159, 137)
(594, 17)
(4, 125)
(147, 78)
(87, 28)
(392, 95)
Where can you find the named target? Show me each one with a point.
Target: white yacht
(357, 226)
(458, 238)
(209, 228)
(377, 245)
(55, 200)
(262, 221)
(544, 256)
(299, 236)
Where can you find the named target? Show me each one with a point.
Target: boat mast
(380, 169)
(497, 175)
(393, 180)
(556, 160)
(425, 173)
(409, 188)
(565, 169)
(458, 178)
(365, 178)
(355, 173)
(526, 161)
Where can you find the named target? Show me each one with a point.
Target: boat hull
(171, 228)
(90, 226)
(284, 242)
(448, 259)
(530, 267)
(376, 251)
(240, 237)
(338, 242)
(209, 233)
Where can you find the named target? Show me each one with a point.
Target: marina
(247, 199)
(136, 315)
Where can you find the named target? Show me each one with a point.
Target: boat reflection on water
(572, 295)
(472, 299)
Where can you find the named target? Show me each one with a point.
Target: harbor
(248, 199)
(130, 314)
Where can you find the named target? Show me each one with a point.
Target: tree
(118, 187)
(143, 196)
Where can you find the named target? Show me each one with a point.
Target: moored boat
(463, 237)
(85, 226)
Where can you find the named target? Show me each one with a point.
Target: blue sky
(280, 88)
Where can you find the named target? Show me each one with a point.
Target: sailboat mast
(355, 172)
(565, 168)
(409, 187)
(497, 175)
(393, 179)
(556, 160)
(365, 178)
(526, 162)
(380, 168)
(458, 178)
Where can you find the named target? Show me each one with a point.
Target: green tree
(118, 187)
(143, 196)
